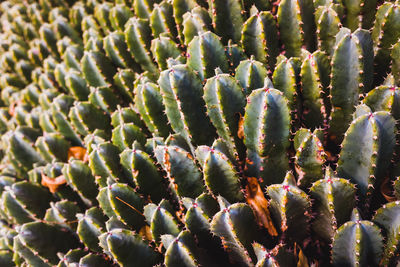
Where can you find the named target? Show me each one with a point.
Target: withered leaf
(77, 152)
(240, 132)
(145, 232)
(303, 261)
(53, 183)
(257, 201)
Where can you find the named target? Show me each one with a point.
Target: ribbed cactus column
(266, 130)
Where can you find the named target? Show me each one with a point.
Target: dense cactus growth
(199, 133)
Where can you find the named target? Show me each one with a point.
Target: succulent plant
(199, 133)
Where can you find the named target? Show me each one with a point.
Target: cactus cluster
(199, 133)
